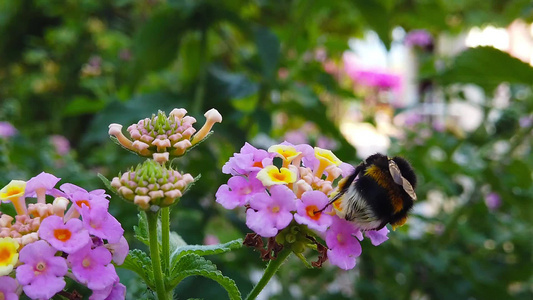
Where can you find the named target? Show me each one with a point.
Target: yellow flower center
(271, 175)
(340, 238)
(13, 191)
(62, 234)
(86, 263)
(2, 296)
(275, 209)
(287, 153)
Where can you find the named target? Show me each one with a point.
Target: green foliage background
(73, 67)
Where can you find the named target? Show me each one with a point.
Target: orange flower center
(312, 212)
(275, 209)
(258, 164)
(5, 255)
(279, 176)
(80, 202)
(62, 234)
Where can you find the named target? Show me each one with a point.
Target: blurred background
(446, 84)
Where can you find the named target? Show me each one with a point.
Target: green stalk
(272, 268)
(154, 255)
(165, 238)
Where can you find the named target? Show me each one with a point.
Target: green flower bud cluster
(295, 237)
(152, 185)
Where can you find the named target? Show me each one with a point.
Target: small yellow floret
(286, 152)
(8, 255)
(271, 175)
(327, 157)
(13, 190)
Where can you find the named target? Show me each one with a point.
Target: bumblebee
(380, 190)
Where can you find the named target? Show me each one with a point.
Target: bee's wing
(399, 179)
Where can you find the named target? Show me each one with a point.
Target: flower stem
(165, 238)
(199, 93)
(271, 269)
(154, 255)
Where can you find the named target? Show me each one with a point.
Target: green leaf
(487, 67)
(141, 231)
(140, 263)
(268, 48)
(195, 265)
(156, 43)
(204, 249)
(176, 241)
(378, 18)
(518, 174)
(83, 105)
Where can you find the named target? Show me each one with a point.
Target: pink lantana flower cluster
(46, 242)
(286, 192)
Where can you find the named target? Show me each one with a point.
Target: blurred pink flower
(375, 78)
(283, 73)
(526, 121)
(381, 79)
(211, 239)
(60, 143)
(7, 130)
(326, 143)
(493, 201)
(419, 37)
(296, 137)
